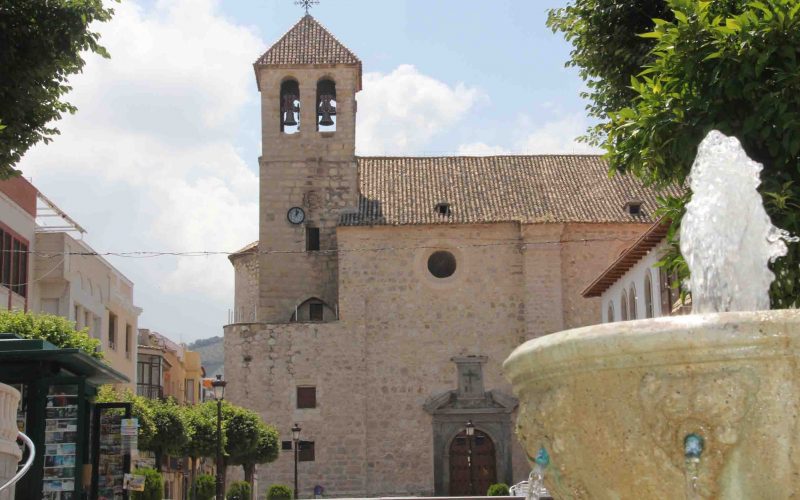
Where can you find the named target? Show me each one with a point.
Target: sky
(162, 154)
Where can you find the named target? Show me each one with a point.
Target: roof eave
(627, 259)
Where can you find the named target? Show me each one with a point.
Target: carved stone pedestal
(9, 451)
(613, 403)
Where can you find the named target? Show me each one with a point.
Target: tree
(731, 66)
(201, 432)
(41, 45)
(265, 451)
(170, 435)
(247, 440)
(606, 49)
(57, 330)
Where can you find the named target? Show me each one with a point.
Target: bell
(325, 110)
(289, 120)
(288, 111)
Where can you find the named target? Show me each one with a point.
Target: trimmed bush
(205, 487)
(153, 485)
(498, 490)
(239, 490)
(279, 492)
(57, 330)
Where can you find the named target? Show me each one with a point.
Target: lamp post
(219, 394)
(296, 438)
(470, 430)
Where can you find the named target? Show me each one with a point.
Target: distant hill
(212, 355)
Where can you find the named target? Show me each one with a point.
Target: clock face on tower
(296, 215)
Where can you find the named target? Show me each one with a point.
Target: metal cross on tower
(306, 4)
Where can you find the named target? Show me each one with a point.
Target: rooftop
(307, 43)
(628, 258)
(484, 189)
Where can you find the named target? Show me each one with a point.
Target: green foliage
(201, 431)
(153, 485)
(738, 73)
(266, 449)
(239, 490)
(497, 490)
(54, 329)
(246, 439)
(279, 492)
(730, 65)
(606, 48)
(41, 45)
(170, 432)
(205, 487)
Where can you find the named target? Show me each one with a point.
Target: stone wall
(245, 294)
(309, 169)
(399, 327)
(265, 363)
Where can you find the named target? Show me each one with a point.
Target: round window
(442, 264)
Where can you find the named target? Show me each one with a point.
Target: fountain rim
(664, 341)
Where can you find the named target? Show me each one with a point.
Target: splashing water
(726, 235)
(536, 488)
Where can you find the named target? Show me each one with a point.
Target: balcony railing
(150, 391)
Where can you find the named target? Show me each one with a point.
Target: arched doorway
(484, 472)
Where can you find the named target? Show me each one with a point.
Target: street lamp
(296, 438)
(219, 393)
(470, 430)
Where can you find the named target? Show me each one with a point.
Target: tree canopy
(41, 45)
(727, 65)
(57, 330)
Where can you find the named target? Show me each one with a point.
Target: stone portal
(490, 412)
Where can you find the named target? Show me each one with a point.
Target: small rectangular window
(128, 339)
(316, 311)
(112, 330)
(306, 397)
(7, 260)
(306, 451)
(286, 445)
(312, 239)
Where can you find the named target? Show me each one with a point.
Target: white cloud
(481, 149)
(554, 137)
(558, 136)
(402, 111)
(158, 121)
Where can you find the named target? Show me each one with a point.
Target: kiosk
(57, 412)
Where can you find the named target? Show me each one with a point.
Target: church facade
(384, 293)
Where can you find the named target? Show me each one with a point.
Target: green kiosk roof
(16, 352)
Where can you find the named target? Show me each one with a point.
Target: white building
(633, 286)
(46, 267)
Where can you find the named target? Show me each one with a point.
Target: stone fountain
(699, 406)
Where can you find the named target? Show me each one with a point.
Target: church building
(384, 293)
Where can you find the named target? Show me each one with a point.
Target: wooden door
(484, 472)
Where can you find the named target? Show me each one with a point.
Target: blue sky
(162, 154)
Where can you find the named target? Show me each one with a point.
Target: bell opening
(289, 118)
(326, 106)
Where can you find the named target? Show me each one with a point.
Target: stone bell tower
(308, 175)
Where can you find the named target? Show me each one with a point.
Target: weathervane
(306, 4)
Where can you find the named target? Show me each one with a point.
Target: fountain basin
(612, 404)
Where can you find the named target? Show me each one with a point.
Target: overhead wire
(208, 253)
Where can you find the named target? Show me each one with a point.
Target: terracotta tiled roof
(307, 42)
(627, 259)
(528, 189)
